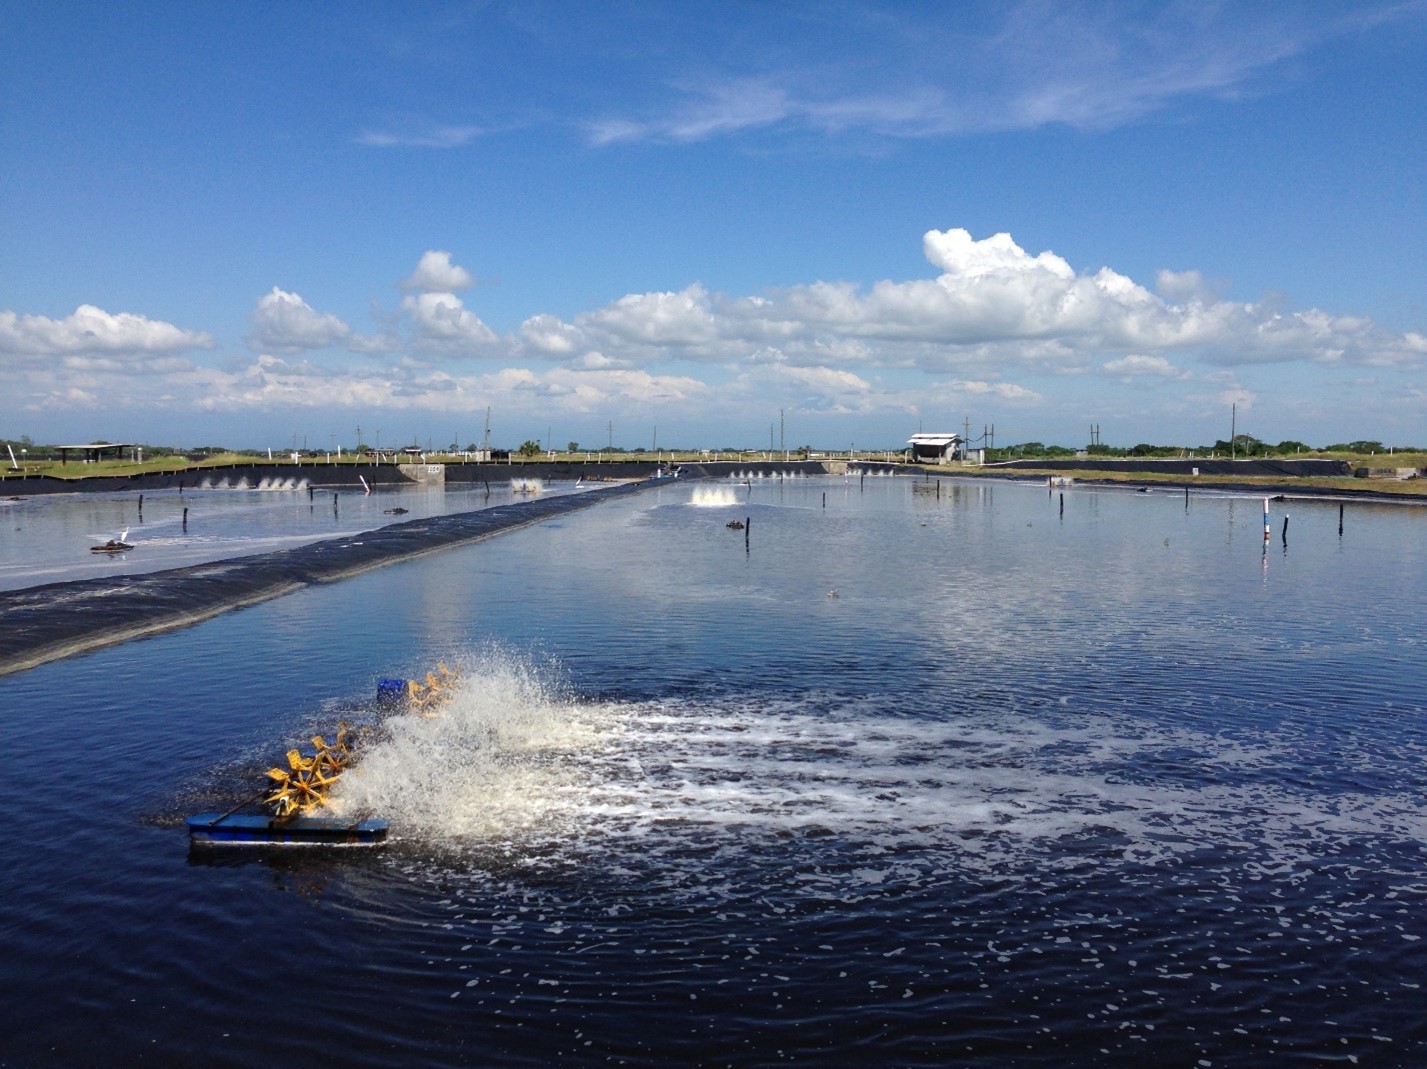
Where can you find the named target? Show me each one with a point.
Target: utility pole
(1233, 430)
(782, 442)
(486, 441)
(611, 436)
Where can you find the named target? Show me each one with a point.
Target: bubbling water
(487, 765)
(526, 485)
(242, 483)
(713, 497)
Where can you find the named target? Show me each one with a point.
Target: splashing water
(487, 765)
(713, 497)
(526, 486)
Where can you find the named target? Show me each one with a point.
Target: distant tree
(1366, 447)
(572, 447)
(1098, 450)
(1243, 445)
(529, 448)
(1288, 445)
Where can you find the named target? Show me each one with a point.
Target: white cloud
(657, 319)
(91, 330)
(442, 324)
(1237, 396)
(286, 323)
(547, 334)
(1093, 66)
(1136, 365)
(983, 331)
(421, 135)
(992, 306)
(435, 273)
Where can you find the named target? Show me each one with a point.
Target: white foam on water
(493, 763)
(713, 497)
(527, 485)
(515, 761)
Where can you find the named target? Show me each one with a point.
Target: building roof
(933, 439)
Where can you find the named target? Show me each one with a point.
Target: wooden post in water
(747, 530)
(1186, 497)
(141, 508)
(185, 518)
(824, 499)
(1340, 521)
(1062, 504)
(334, 502)
(1285, 530)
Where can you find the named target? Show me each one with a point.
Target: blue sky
(238, 223)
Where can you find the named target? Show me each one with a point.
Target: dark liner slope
(46, 623)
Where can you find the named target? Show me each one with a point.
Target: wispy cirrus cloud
(1085, 65)
(420, 134)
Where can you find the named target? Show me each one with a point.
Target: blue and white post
(1266, 531)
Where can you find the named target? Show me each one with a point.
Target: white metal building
(935, 448)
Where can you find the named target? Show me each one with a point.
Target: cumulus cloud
(987, 325)
(658, 319)
(993, 305)
(90, 330)
(286, 323)
(547, 334)
(435, 273)
(443, 324)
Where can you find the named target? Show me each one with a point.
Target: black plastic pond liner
(46, 623)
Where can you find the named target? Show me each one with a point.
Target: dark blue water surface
(918, 776)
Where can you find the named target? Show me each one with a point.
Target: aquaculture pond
(898, 773)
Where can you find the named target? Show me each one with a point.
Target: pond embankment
(46, 623)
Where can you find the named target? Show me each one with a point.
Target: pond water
(900, 774)
(47, 538)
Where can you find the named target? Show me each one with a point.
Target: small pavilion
(93, 452)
